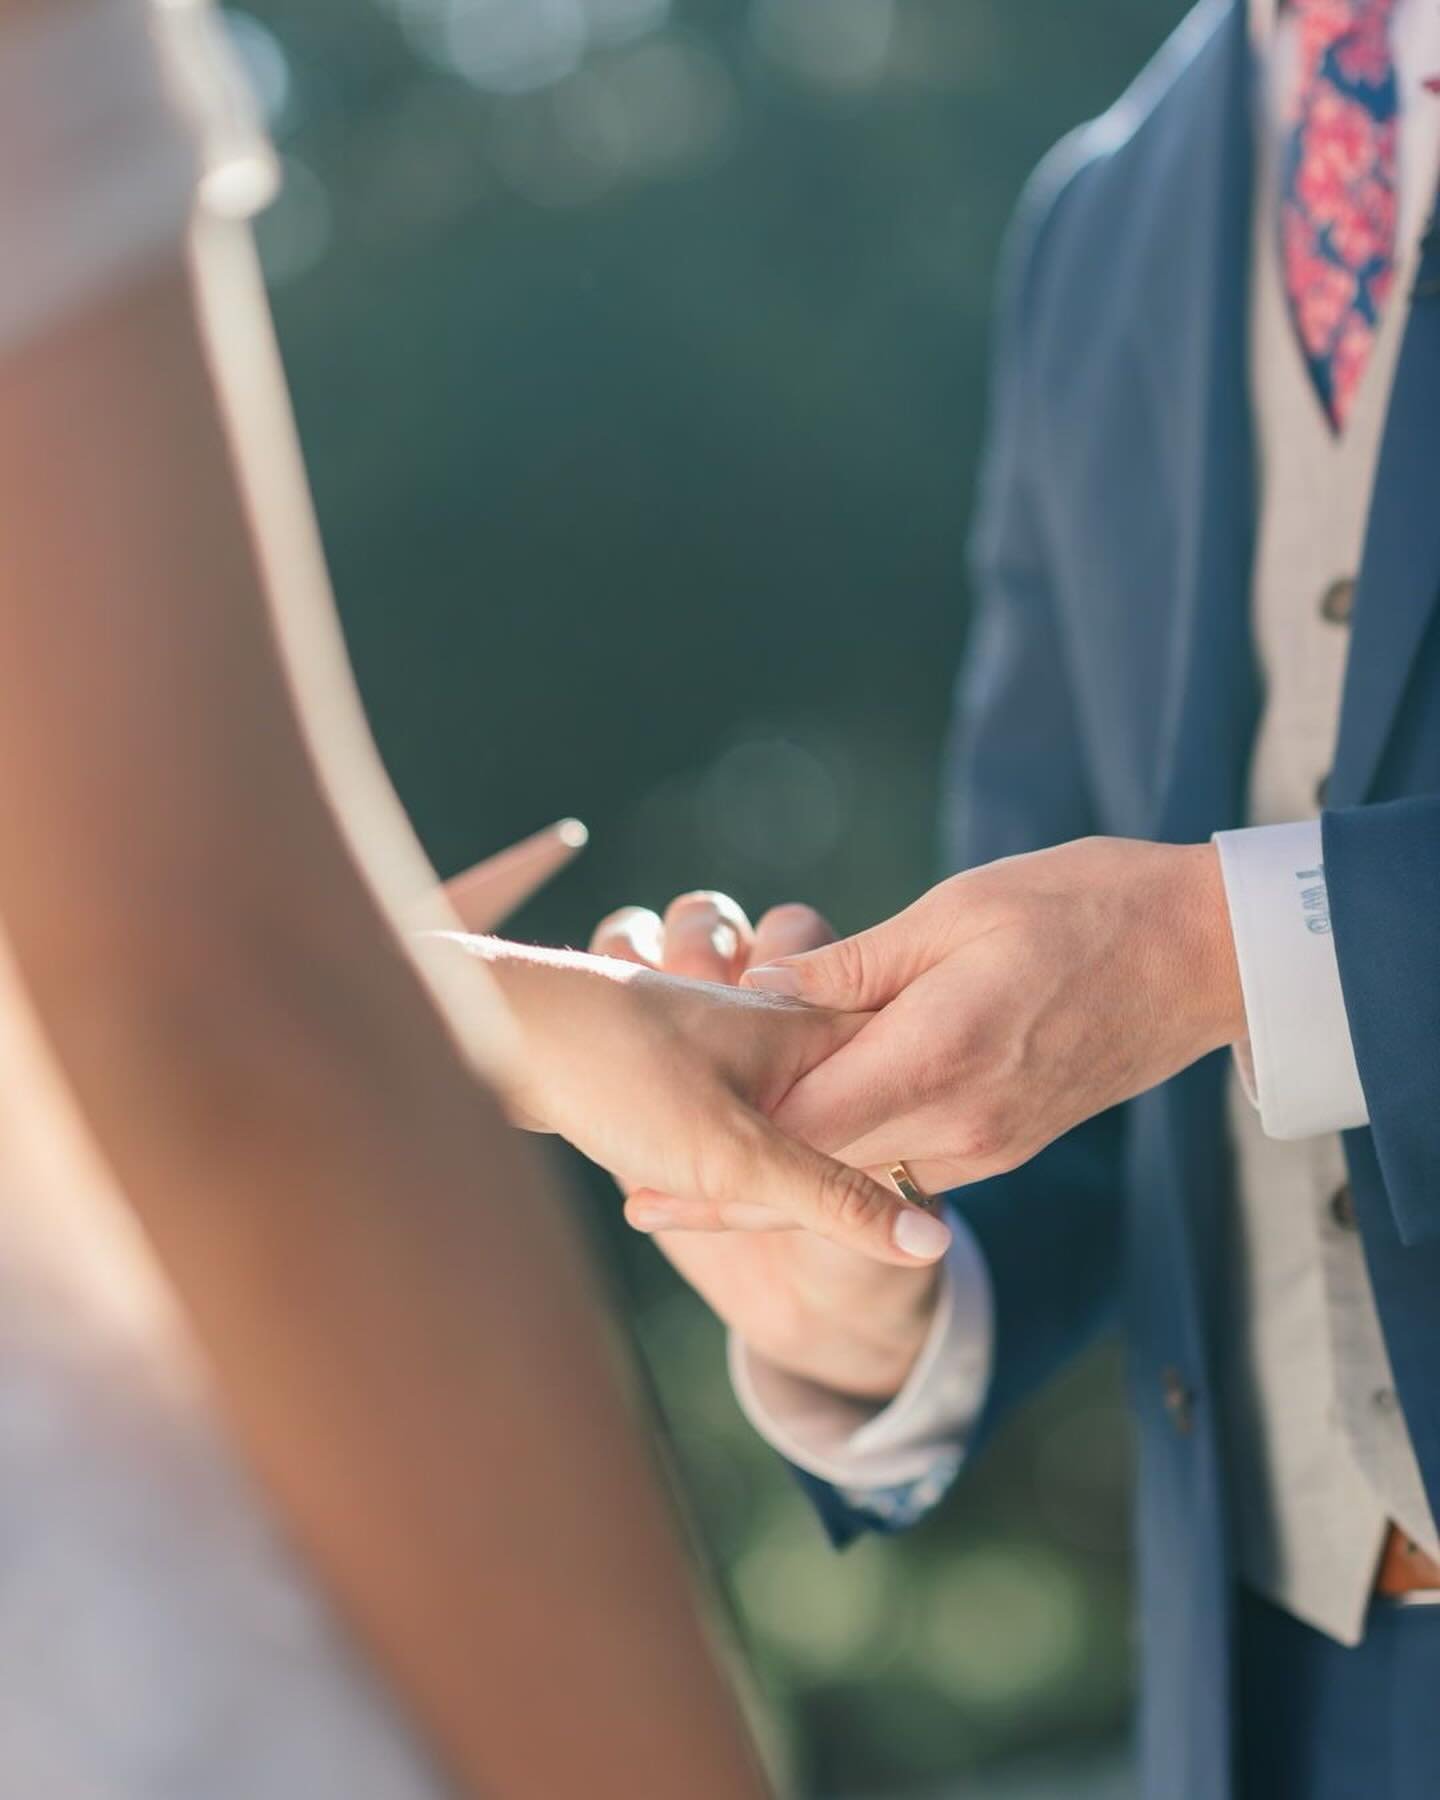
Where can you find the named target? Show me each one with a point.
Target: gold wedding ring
(908, 1188)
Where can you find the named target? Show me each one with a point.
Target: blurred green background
(638, 349)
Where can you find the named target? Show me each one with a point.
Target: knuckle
(695, 897)
(628, 932)
(932, 1077)
(793, 919)
(850, 963)
(695, 961)
(705, 934)
(988, 1133)
(856, 960)
(730, 1161)
(700, 906)
(850, 1203)
(612, 924)
(690, 920)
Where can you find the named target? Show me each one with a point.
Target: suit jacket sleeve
(1382, 870)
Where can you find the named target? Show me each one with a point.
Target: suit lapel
(1400, 570)
(1210, 697)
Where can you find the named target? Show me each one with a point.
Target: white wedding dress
(158, 1638)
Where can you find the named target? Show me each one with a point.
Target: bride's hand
(667, 1084)
(824, 1310)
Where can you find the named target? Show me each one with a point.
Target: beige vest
(1321, 1453)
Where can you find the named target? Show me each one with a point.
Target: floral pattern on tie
(1338, 190)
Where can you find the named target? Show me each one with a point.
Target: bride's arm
(389, 1295)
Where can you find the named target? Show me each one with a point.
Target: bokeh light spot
(617, 21)
(819, 1612)
(842, 44)
(501, 46)
(266, 64)
(659, 108)
(294, 234)
(773, 803)
(1003, 1626)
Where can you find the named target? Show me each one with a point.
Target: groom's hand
(1015, 1001)
(822, 1310)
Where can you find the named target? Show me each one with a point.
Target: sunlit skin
(210, 892)
(851, 1312)
(1008, 1005)
(826, 1311)
(1015, 1001)
(669, 1085)
(214, 902)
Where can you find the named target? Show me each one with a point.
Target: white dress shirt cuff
(856, 1446)
(1298, 1065)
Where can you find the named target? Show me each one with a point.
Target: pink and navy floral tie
(1338, 190)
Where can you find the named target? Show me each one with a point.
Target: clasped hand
(751, 1125)
(1015, 1001)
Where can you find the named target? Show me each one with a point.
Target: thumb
(855, 974)
(758, 1166)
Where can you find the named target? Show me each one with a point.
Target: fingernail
(725, 942)
(649, 1218)
(699, 919)
(774, 978)
(647, 934)
(921, 1235)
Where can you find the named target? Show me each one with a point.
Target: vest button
(1385, 1400)
(1338, 602)
(1342, 1207)
(1322, 791)
(1179, 1400)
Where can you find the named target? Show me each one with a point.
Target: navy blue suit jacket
(1111, 687)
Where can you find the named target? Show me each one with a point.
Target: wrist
(1208, 971)
(866, 1345)
(558, 1003)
